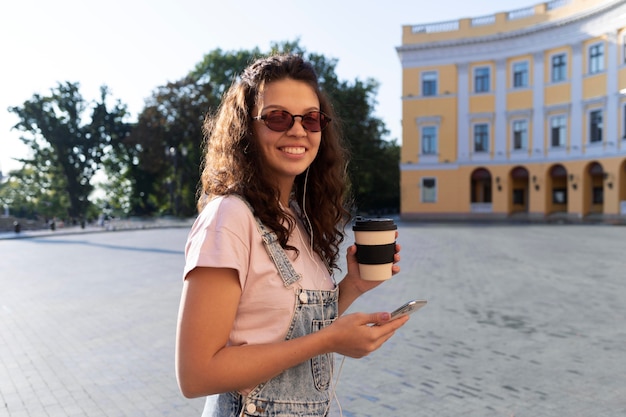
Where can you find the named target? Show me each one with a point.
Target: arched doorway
(558, 189)
(519, 190)
(595, 198)
(480, 186)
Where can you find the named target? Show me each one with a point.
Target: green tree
(166, 148)
(34, 194)
(166, 144)
(65, 150)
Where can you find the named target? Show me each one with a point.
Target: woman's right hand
(358, 334)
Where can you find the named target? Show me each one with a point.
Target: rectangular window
(429, 140)
(596, 58)
(482, 82)
(558, 131)
(520, 74)
(559, 68)
(595, 126)
(520, 134)
(429, 83)
(481, 137)
(429, 190)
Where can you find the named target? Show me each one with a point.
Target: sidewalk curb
(114, 227)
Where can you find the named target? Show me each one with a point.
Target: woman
(260, 312)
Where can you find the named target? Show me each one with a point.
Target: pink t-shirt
(225, 235)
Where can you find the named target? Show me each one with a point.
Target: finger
(395, 324)
(378, 318)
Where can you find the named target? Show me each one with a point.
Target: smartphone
(408, 308)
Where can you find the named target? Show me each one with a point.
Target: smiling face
(289, 153)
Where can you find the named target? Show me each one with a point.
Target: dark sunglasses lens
(313, 121)
(279, 120)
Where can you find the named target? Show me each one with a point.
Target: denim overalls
(303, 390)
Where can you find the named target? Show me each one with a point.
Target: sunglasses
(282, 120)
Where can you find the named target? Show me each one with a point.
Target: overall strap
(274, 250)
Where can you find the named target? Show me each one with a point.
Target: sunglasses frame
(324, 120)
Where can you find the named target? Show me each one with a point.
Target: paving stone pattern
(522, 321)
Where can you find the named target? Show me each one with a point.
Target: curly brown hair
(234, 164)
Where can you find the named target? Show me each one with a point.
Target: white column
(538, 140)
(462, 127)
(500, 127)
(576, 125)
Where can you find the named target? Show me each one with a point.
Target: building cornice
(570, 30)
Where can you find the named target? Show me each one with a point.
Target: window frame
(484, 135)
(559, 68)
(595, 128)
(429, 92)
(562, 140)
(524, 137)
(428, 198)
(524, 74)
(595, 56)
(483, 80)
(434, 139)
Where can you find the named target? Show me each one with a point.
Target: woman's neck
(284, 190)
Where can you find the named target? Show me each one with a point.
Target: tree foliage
(33, 193)
(65, 151)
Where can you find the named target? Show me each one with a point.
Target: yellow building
(520, 113)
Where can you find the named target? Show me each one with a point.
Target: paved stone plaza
(522, 321)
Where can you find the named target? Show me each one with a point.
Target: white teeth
(295, 151)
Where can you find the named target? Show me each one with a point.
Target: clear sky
(134, 46)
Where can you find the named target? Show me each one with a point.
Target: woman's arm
(205, 365)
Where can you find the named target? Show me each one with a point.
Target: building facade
(520, 113)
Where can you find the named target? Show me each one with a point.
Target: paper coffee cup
(376, 246)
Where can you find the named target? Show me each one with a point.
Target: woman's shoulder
(228, 202)
(230, 212)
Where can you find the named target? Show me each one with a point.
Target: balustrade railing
(453, 25)
(483, 20)
(521, 13)
(447, 26)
